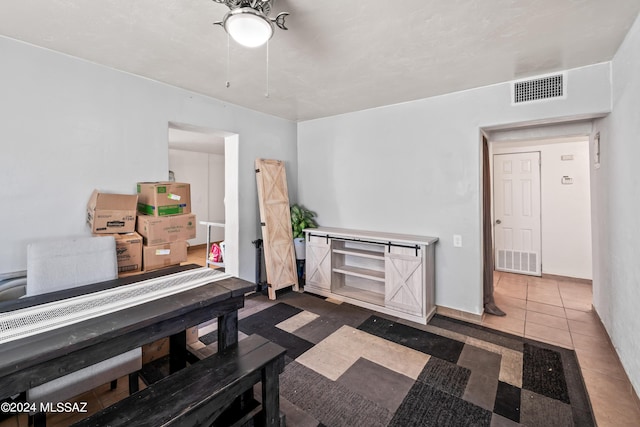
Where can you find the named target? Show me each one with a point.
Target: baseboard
(634, 393)
(459, 314)
(567, 279)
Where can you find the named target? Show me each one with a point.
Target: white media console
(386, 272)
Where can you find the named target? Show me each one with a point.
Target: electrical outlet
(457, 240)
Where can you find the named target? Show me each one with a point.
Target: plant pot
(299, 246)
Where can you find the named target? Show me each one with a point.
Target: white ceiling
(338, 55)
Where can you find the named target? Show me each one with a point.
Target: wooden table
(36, 359)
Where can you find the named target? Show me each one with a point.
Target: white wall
(205, 172)
(415, 168)
(616, 207)
(565, 209)
(193, 167)
(216, 195)
(70, 126)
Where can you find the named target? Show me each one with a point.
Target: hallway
(559, 311)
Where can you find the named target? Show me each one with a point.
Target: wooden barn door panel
(273, 199)
(318, 264)
(404, 281)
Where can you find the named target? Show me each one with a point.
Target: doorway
(541, 308)
(564, 205)
(208, 160)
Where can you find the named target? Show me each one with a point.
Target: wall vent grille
(539, 88)
(517, 261)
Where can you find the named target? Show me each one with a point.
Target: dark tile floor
(364, 369)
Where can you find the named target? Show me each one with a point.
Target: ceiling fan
(248, 22)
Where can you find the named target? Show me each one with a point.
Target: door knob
(498, 221)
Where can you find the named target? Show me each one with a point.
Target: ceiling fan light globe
(248, 27)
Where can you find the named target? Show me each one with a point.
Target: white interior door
(516, 200)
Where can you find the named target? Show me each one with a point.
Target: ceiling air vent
(540, 88)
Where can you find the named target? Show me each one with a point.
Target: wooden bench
(198, 394)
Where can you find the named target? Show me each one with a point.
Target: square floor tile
(587, 342)
(507, 402)
(552, 310)
(601, 360)
(481, 390)
(547, 334)
(547, 320)
(428, 406)
(425, 342)
(377, 383)
(318, 329)
(479, 332)
(329, 401)
(445, 376)
(334, 355)
(577, 305)
(507, 300)
(551, 298)
(511, 311)
(512, 290)
(500, 421)
(611, 399)
(543, 373)
(479, 360)
(592, 329)
(581, 316)
(509, 324)
(538, 410)
(297, 321)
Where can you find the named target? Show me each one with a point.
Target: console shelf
(360, 253)
(387, 272)
(360, 272)
(360, 294)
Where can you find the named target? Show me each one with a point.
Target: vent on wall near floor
(517, 262)
(540, 88)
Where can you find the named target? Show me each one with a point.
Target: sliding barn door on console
(275, 217)
(516, 189)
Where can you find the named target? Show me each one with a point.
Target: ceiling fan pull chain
(228, 55)
(266, 95)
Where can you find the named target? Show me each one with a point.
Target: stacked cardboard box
(115, 215)
(165, 223)
(129, 252)
(164, 198)
(112, 213)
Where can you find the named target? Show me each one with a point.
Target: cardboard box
(164, 198)
(129, 252)
(160, 256)
(192, 335)
(166, 229)
(112, 213)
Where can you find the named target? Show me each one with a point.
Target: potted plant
(301, 218)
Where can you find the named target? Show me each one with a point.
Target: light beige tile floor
(559, 311)
(334, 355)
